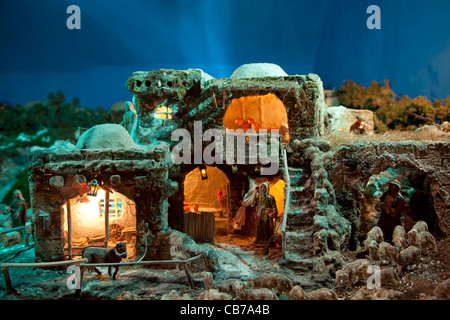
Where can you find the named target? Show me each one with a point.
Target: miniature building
(308, 184)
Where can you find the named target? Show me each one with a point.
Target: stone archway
(60, 175)
(257, 112)
(352, 165)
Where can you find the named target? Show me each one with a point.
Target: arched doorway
(226, 204)
(206, 191)
(415, 190)
(85, 222)
(258, 112)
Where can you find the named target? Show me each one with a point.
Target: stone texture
(340, 119)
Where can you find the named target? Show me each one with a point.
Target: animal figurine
(103, 255)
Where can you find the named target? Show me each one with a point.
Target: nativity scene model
(247, 181)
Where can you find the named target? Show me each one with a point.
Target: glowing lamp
(92, 188)
(163, 113)
(203, 172)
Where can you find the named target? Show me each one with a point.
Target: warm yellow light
(92, 188)
(203, 173)
(163, 112)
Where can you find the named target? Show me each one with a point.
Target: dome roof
(106, 136)
(258, 70)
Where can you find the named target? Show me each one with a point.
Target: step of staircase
(299, 218)
(299, 242)
(297, 262)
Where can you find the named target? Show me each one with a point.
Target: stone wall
(320, 223)
(351, 166)
(57, 176)
(192, 95)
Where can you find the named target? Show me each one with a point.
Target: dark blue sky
(38, 54)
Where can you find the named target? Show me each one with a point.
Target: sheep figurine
(387, 275)
(214, 294)
(399, 237)
(375, 234)
(253, 293)
(383, 252)
(403, 258)
(422, 240)
(373, 250)
(278, 282)
(348, 276)
(342, 280)
(224, 286)
(420, 226)
(208, 280)
(103, 255)
(297, 293)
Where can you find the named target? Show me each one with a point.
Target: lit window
(163, 113)
(115, 207)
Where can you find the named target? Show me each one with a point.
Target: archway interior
(217, 195)
(415, 190)
(257, 112)
(206, 203)
(88, 221)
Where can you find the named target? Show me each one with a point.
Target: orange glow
(92, 188)
(163, 113)
(267, 111)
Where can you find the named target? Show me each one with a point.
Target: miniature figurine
(19, 209)
(129, 116)
(266, 210)
(391, 206)
(104, 255)
(358, 126)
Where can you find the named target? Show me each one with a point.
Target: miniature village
(252, 187)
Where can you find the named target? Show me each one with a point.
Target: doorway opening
(89, 222)
(415, 190)
(258, 112)
(206, 203)
(219, 210)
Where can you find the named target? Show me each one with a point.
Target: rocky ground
(238, 259)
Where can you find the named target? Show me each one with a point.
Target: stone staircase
(300, 220)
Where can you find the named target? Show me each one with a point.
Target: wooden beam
(69, 228)
(43, 264)
(188, 275)
(134, 263)
(106, 218)
(9, 287)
